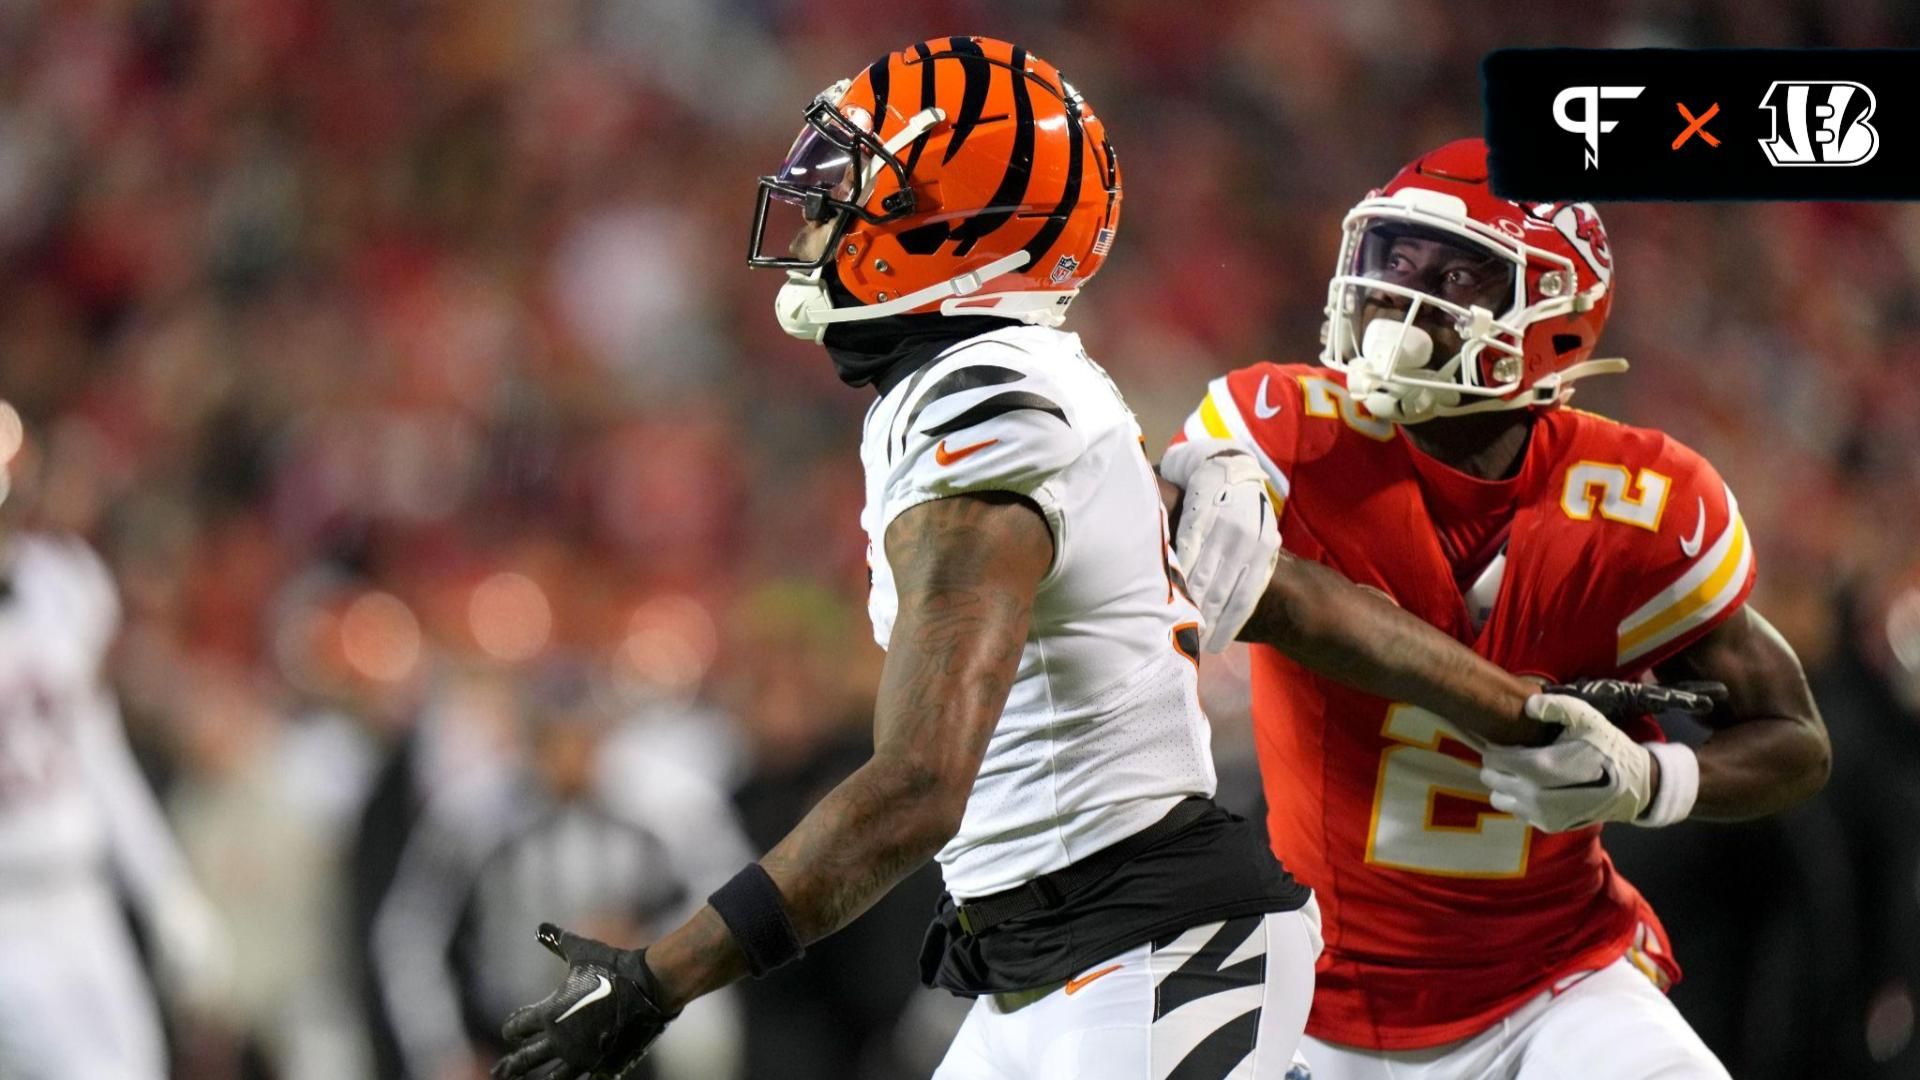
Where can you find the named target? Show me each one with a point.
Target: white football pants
(1221, 1001)
(1612, 1025)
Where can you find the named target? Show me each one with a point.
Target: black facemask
(881, 352)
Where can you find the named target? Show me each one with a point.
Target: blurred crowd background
(467, 503)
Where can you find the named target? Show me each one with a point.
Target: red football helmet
(960, 175)
(1448, 299)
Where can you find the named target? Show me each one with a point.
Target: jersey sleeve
(1697, 563)
(993, 422)
(1259, 406)
(88, 598)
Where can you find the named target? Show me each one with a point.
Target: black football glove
(1619, 700)
(601, 1021)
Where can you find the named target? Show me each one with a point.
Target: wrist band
(1679, 785)
(756, 915)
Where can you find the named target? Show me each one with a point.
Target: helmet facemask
(823, 184)
(1429, 310)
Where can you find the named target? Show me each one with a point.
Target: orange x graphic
(1697, 125)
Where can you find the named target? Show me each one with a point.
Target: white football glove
(1593, 772)
(1228, 539)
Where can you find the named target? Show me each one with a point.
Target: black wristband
(756, 915)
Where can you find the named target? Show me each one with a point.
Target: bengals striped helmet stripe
(1017, 163)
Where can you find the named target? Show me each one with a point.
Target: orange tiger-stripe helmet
(961, 175)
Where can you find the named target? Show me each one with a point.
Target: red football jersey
(1442, 914)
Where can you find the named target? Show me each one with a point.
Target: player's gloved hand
(1228, 535)
(601, 1020)
(1593, 772)
(1620, 700)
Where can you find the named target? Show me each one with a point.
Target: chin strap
(1555, 389)
(1558, 386)
(806, 311)
(959, 285)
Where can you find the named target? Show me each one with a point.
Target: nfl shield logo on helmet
(1063, 269)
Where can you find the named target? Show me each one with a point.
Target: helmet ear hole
(1566, 343)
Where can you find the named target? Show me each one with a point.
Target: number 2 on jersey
(1616, 500)
(1414, 775)
(1326, 399)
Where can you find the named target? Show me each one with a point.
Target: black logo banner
(1777, 124)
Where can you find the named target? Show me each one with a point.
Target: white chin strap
(805, 310)
(1390, 346)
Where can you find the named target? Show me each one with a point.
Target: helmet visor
(820, 160)
(1432, 277)
(1448, 267)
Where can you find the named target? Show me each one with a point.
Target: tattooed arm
(966, 569)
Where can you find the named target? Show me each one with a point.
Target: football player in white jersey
(1038, 728)
(77, 822)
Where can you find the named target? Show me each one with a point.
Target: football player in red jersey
(1475, 926)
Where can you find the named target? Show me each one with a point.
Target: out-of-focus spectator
(546, 835)
(254, 816)
(854, 1010)
(80, 831)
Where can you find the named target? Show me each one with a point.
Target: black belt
(1048, 890)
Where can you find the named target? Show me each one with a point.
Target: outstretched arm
(1769, 748)
(1227, 535)
(966, 569)
(1357, 636)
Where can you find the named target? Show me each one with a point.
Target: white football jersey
(56, 621)
(73, 804)
(1102, 732)
(79, 833)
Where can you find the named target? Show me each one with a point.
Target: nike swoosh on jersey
(1074, 986)
(946, 457)
(605, 988)
(1261, 408)
(1691, 547)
